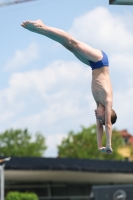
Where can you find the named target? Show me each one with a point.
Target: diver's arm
(108, 124)
(99, 133)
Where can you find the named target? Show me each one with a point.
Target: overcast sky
(43, 87)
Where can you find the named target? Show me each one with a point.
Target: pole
(2, 182)
(14, 2)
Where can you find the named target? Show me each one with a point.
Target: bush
(13, 196)
(28, 196)
(21, 196)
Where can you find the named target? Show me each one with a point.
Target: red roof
(124, 133)
(127, 135)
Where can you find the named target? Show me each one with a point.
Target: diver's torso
(101, 85)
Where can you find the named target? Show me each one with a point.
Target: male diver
(101, 83)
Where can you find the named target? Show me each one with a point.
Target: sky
(43, 86)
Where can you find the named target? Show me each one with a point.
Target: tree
(84, 145)
(19, 143)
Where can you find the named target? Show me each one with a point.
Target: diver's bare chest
(101, 90)
(101, 85)
(99, 94)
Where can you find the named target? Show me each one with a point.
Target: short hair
(113, 117)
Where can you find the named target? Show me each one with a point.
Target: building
(126, 150)
(64, 178)
(127, 137)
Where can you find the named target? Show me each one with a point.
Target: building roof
(86, 165)
(124, 133)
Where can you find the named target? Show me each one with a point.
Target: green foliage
(84, 145)
(28, 196)
(13, 196)
(19, 143)
(21, 196)
(131, 150)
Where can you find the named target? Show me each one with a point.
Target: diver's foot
(108, 150)
(102, 149)
(34, 26)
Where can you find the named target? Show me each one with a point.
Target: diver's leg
(58, 35)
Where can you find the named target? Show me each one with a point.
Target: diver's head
(100, 115)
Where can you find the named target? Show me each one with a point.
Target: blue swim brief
(100, 63)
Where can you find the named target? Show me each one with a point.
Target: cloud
(123, 106)
(21, 58)
(52, 141)
(57, 93)
(104, 30)
(112, 33)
